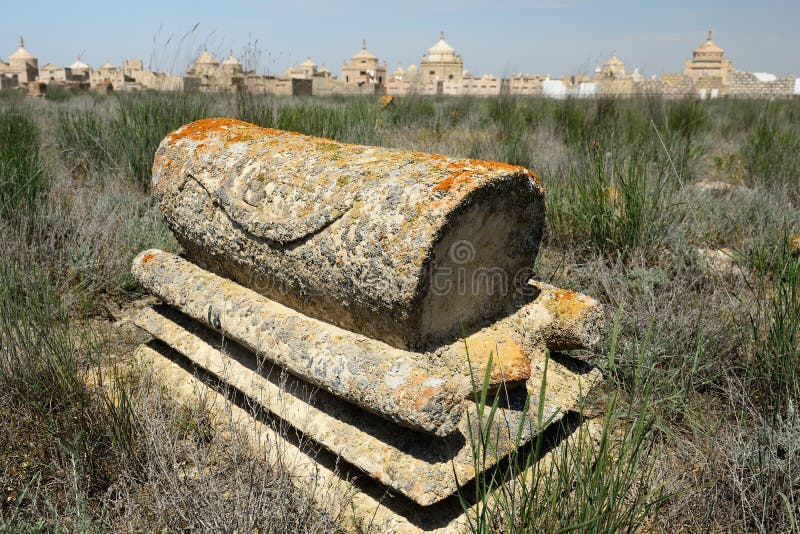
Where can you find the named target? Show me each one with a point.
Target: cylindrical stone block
(387, 243)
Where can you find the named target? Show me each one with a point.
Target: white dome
(441, 52)
(79, 65)
(232, 61)
(205, 59)
(441, 47)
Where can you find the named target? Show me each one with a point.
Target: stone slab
(359, 505)
(419, 390)
(423, 468)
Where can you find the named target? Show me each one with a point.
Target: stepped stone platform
(365, 298)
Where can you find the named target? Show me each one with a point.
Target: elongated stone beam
(425, 471)
(253, 320)
(407, 248)
(556, 319)
(401, 386)
(561, 319)
(550, 319)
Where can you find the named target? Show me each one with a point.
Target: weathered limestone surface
(424, 470)
(559, 318)
(367, 508)
(420, 390)
(360, 237)
(397, 283)
(399, 385)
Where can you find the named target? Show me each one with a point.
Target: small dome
(21, 52)
(232, 61)
(441, 47)
(364, 53)
(412, 68)
(108, 66)
(708, 47)
(441, 52)
(79, 65)
(399, 70)
(308, 63)
(205, 59)
(614, 60)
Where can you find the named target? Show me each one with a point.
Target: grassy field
(677, 215)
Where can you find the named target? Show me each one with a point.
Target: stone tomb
(364, 296)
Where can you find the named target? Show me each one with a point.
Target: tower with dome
(22, 67)
(708, 59)
(364, 67)
(441, 63)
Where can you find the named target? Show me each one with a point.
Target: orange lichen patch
(455, 166)
(506, 167)
(496, 165)
(509, 362)
(148, 257)
(424, 397)
(437, 157)
(454, 180)
(199, 130)
(566, 303)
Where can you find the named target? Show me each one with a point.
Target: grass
(44, 366)
(699, 430)
(775, 368)
(771, 148)
(599, 479)
(123, 134)
(23, 177)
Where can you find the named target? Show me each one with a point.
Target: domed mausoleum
(22, 67)
(364, 68)
(708, 59)
(232, 65)
(441, 63)
(205, 64)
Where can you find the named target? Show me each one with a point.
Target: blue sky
(540, 36)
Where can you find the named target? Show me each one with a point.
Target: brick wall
(742, 83)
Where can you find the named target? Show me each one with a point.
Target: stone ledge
(358, 504)
(424, 469)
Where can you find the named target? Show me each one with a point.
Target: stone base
(421, 467)
(402, 480)
(357, 500)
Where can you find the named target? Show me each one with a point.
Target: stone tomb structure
(362, 296)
